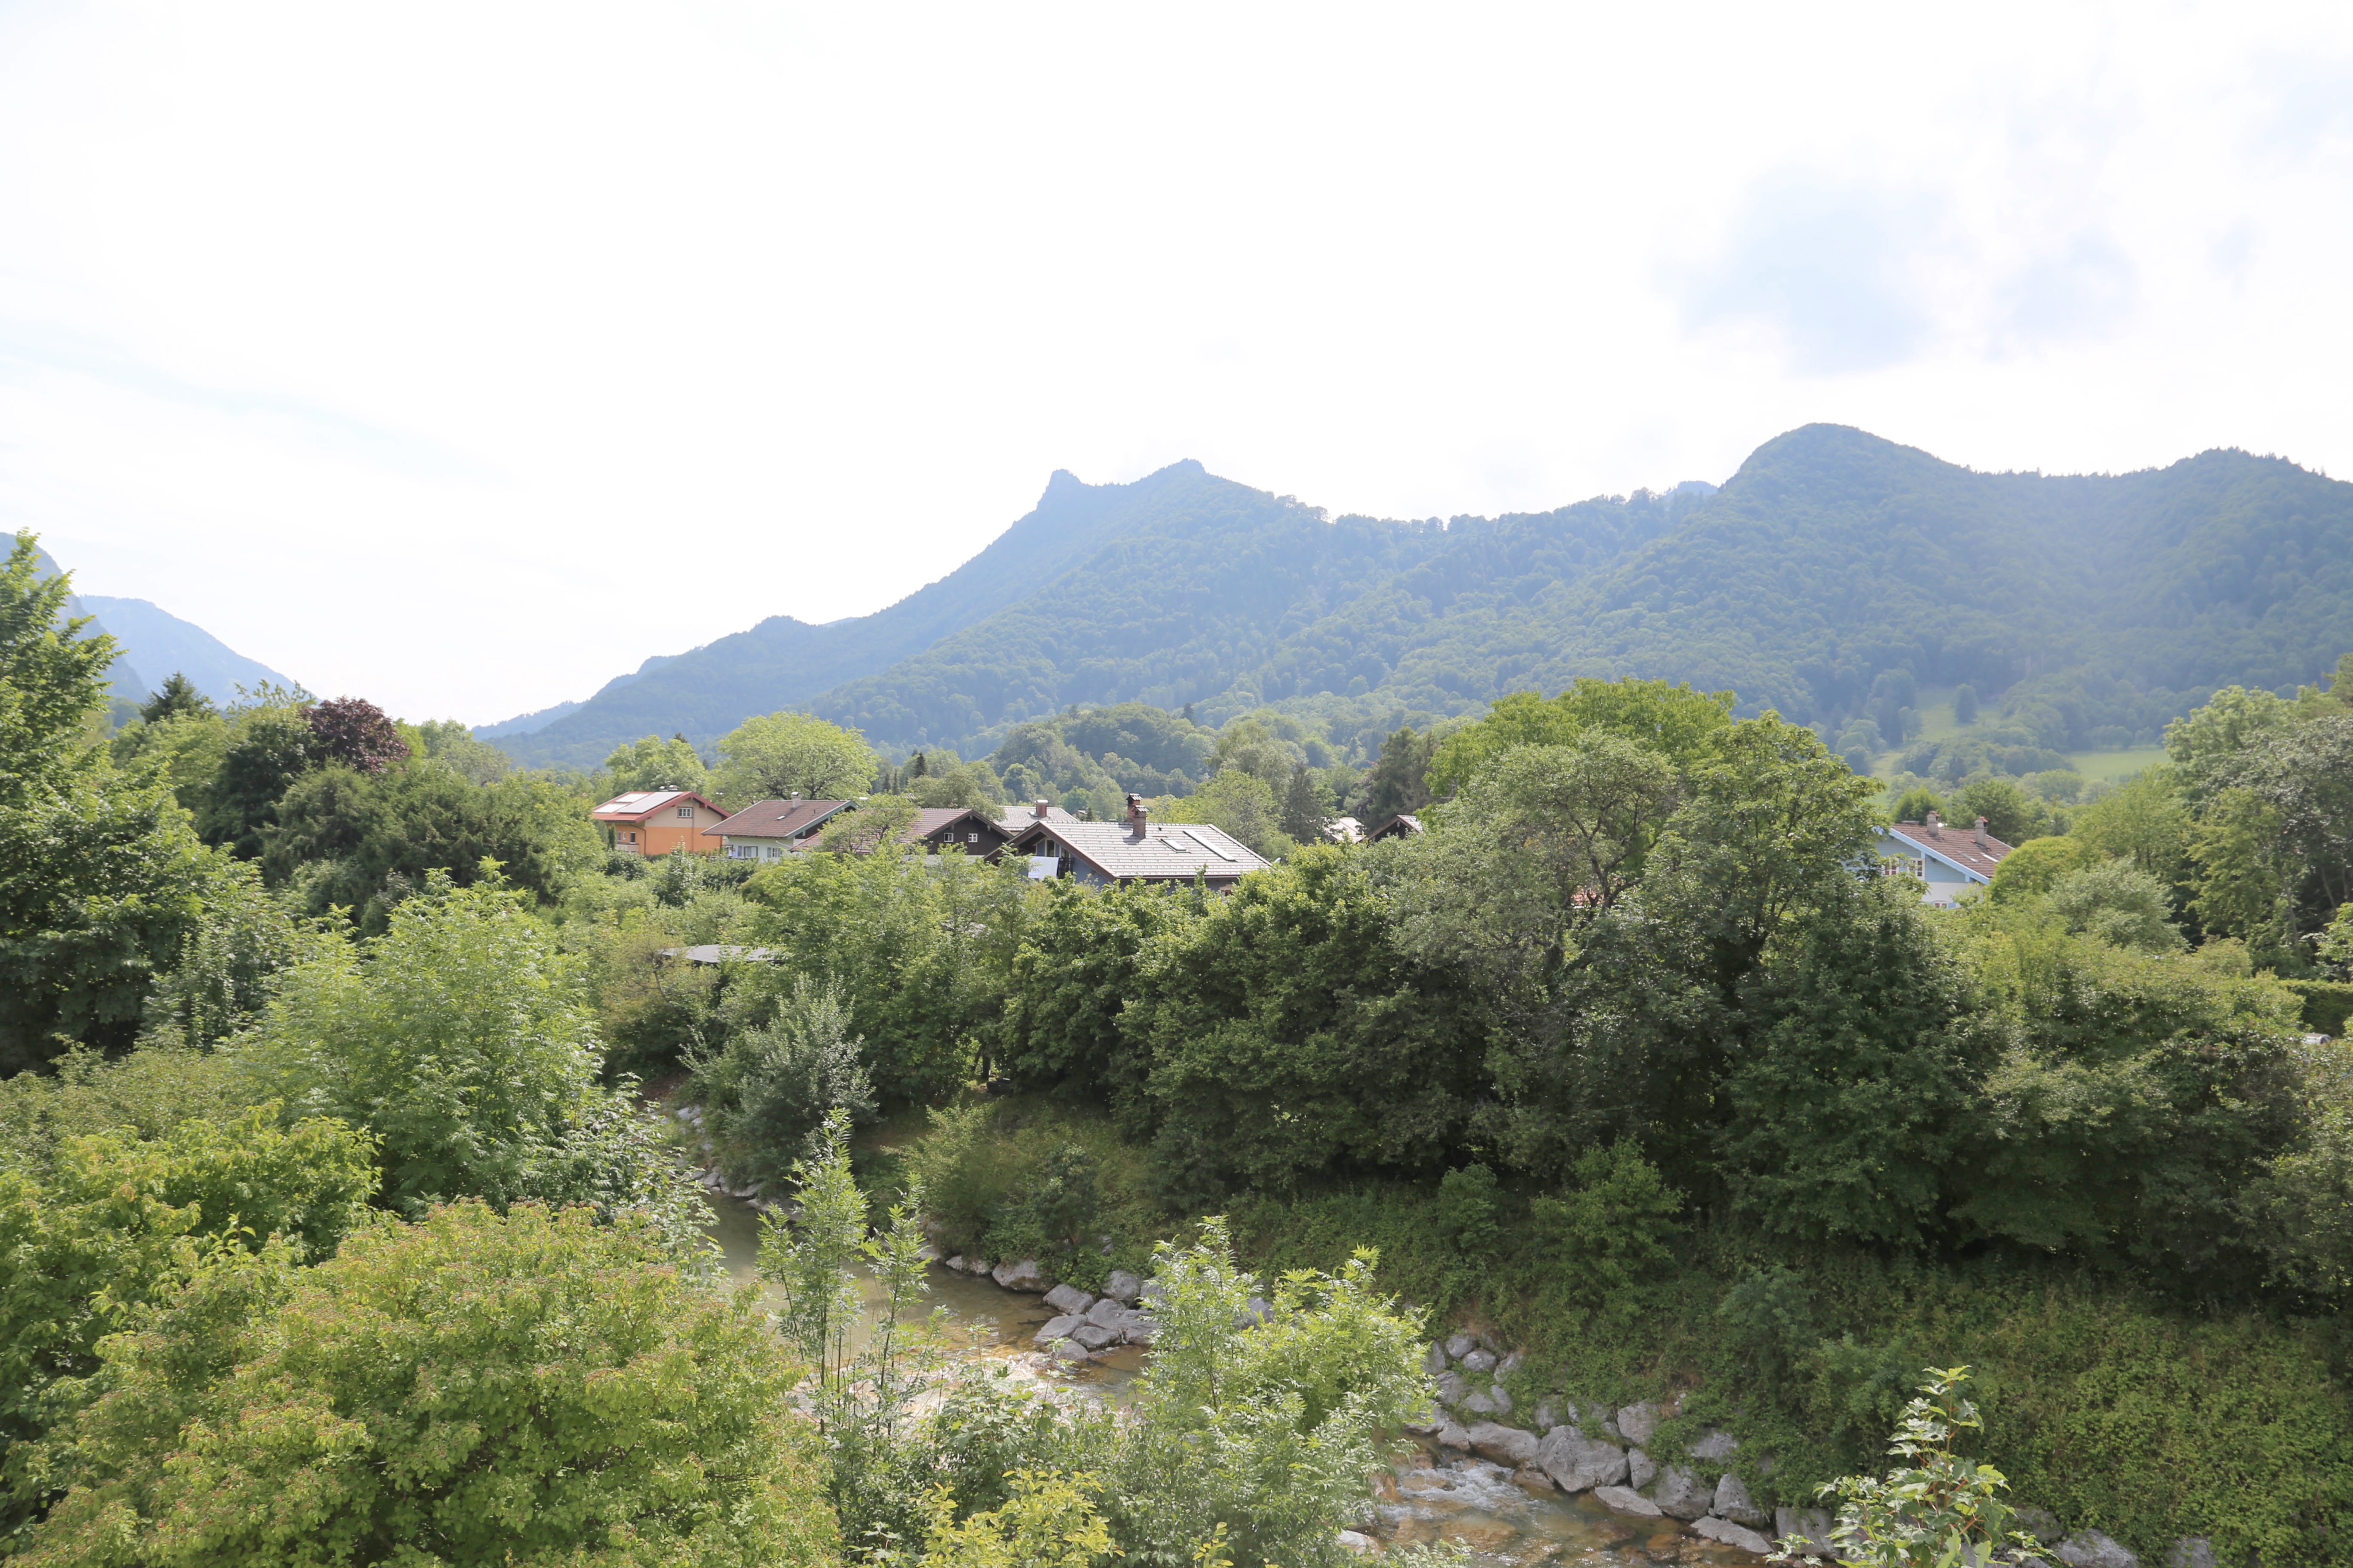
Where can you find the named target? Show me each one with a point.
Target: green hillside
(1831, 578)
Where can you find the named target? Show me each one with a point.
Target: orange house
(658, 821)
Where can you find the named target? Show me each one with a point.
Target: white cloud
(462, 357)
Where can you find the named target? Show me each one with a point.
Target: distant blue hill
(156, 643)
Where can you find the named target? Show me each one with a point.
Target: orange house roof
(638, 805)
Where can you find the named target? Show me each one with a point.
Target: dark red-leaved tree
(354, 732)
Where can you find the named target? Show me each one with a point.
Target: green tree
(652, 763)
(1239, 802)
(1286, 1033)
(449, 744)
(364, 842)
(108, 1223)
(2116, 904)
(770, 1090)
(784, 754)
(100, 874)
(268, 746)
(2010, 813)
(1672, 720)
(1263, 1434)
(460, 1039)
(1077, 963)
(176, 696)
(1399, 780)
(1614, 1225)
(2032, 869)
(608, 1412)
(1305, 811)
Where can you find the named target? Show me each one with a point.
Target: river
(1430, 1493)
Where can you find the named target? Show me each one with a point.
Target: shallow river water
(1431, 1493)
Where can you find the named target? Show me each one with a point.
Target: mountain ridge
(1830, 574)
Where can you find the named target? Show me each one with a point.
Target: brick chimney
(1981, 842)
(1038, 809)
(1935, 825)
(1138, 818)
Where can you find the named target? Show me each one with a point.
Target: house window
(686, 811)
(971, 839)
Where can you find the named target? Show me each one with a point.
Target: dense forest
(329, 1038)
(1833, 571)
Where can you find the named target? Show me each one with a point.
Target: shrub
(531, 1388)
(1614, 1226)
(767, 1093)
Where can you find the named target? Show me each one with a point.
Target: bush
(530, 1388)
(766, 1095)
(1614, 1226)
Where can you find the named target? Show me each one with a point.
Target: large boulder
(1107, 1312)
(1509, 1364)
(1356, 1543)
(1452, 1388)
(1461, 1345)
(1625, 1501)
(2090, 1549)
(1503, 1398)
(1060, 1328)
(1732, 1501)
(1638, 1424)
(1068, 1298)
(1479, 1361)
(1071, 1351)
(1504, 1445)
(1715, 1446)
(1024, 1275)
(1681, 1493)
(1481, 1403)
(1812, 1526)
(1094, 1336)
(1725, 1532)
(1122, 1286)
(2042, 1524)
(1433, 1361)
(2190, 1551)
(1578, 1463)
(1452, 1434)
(1641, 1468)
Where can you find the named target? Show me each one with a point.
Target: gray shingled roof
(1167, 851)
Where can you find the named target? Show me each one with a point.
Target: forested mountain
(1830, 565)
(158, 642)
(784, 662)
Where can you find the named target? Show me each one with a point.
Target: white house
(1949, 859)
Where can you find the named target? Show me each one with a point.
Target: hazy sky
(463, 357)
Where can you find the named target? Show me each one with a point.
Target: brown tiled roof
(1169, 851)
(776, 819)
(638, 805)
(933, 819)
(1965, 847)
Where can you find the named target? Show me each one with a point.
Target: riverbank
(2111, 1409)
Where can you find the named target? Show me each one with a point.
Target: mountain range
(1832, 564)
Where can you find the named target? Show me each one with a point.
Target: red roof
(638, 805)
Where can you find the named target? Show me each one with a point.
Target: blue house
(1949, 859)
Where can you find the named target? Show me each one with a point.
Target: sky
(462, 357)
